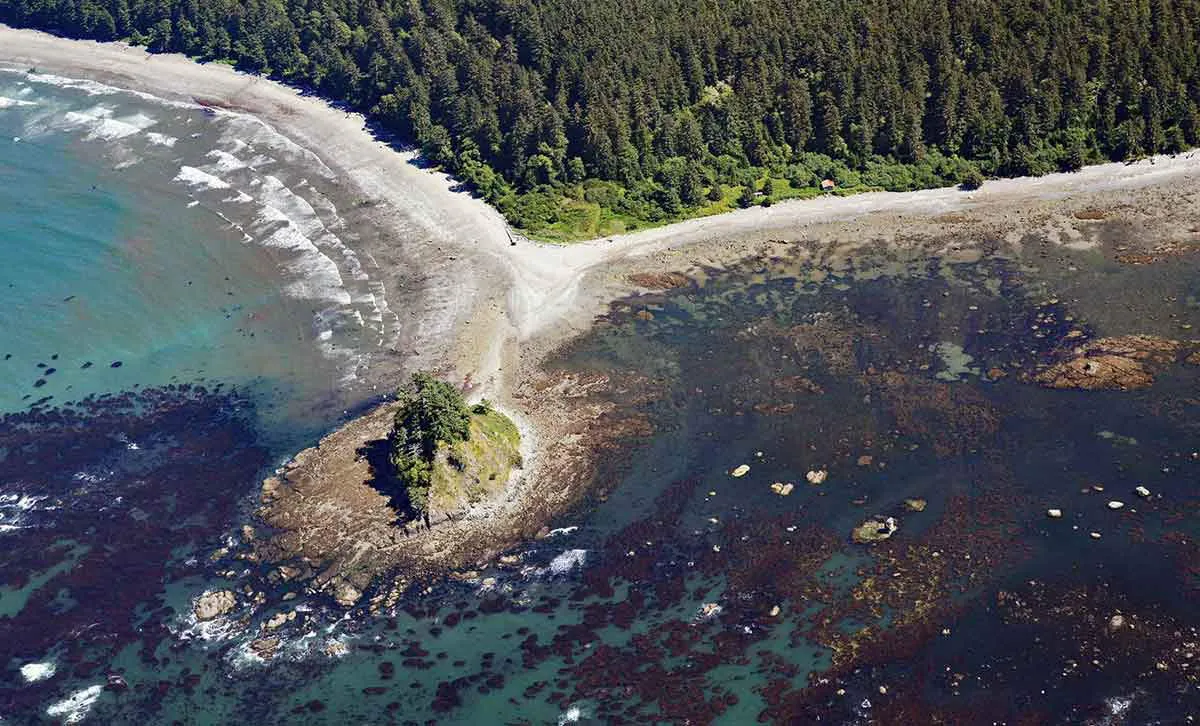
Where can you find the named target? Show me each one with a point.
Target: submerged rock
(1120, 363)
(915, 505)
(212, 605)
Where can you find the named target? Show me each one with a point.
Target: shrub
(971, 179)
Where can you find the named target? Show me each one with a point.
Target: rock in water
(916, 505)
(1111, 364)
(1142, 492)
(1054, 513)
(214, 604)
(740, 471)
(874, 530)
(1115, 505)
(817, 477)
(346, 594)
(265, 647)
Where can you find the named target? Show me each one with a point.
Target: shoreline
(524, 291)
(489, 313)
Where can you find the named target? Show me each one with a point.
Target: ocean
(149, 243)
(886, 385)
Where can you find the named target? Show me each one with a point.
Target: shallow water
(654, 601)
(176, 244)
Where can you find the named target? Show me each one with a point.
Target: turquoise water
(147, 243)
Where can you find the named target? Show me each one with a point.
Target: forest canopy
(579, 118)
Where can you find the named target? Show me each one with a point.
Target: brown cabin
(828, 185)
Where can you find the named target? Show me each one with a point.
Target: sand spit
(488, 312)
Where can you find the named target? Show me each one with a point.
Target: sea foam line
(75, 708)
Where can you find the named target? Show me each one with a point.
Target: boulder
(346, 594)
(740, 471)
(265, 647)
(214, 604)
(874, 530)
(817, 477)
(708, 610)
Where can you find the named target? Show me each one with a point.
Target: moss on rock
(474, 469)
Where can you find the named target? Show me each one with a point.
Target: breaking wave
(240, 169)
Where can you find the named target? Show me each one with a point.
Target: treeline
(574, 112)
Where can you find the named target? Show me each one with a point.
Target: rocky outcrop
(212, 605)
(660, 280)
(876, 529)
(1123, 363)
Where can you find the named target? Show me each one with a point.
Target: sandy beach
(487, 311)
(481, 297)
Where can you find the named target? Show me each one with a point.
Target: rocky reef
(1121, 363)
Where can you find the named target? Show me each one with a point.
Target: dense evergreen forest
(585, 117)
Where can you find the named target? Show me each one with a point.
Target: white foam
(101, 125)
(93, 88)
(34, 672)
(316, 277)
(571, 715)
(194, 177)
(6, 102)
(255, 131)
(28, 502)
(567, 561)
(161, 139)
(75, 708)
(226, 161)
(561, 531)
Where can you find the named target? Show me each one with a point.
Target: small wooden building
(828, 185)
